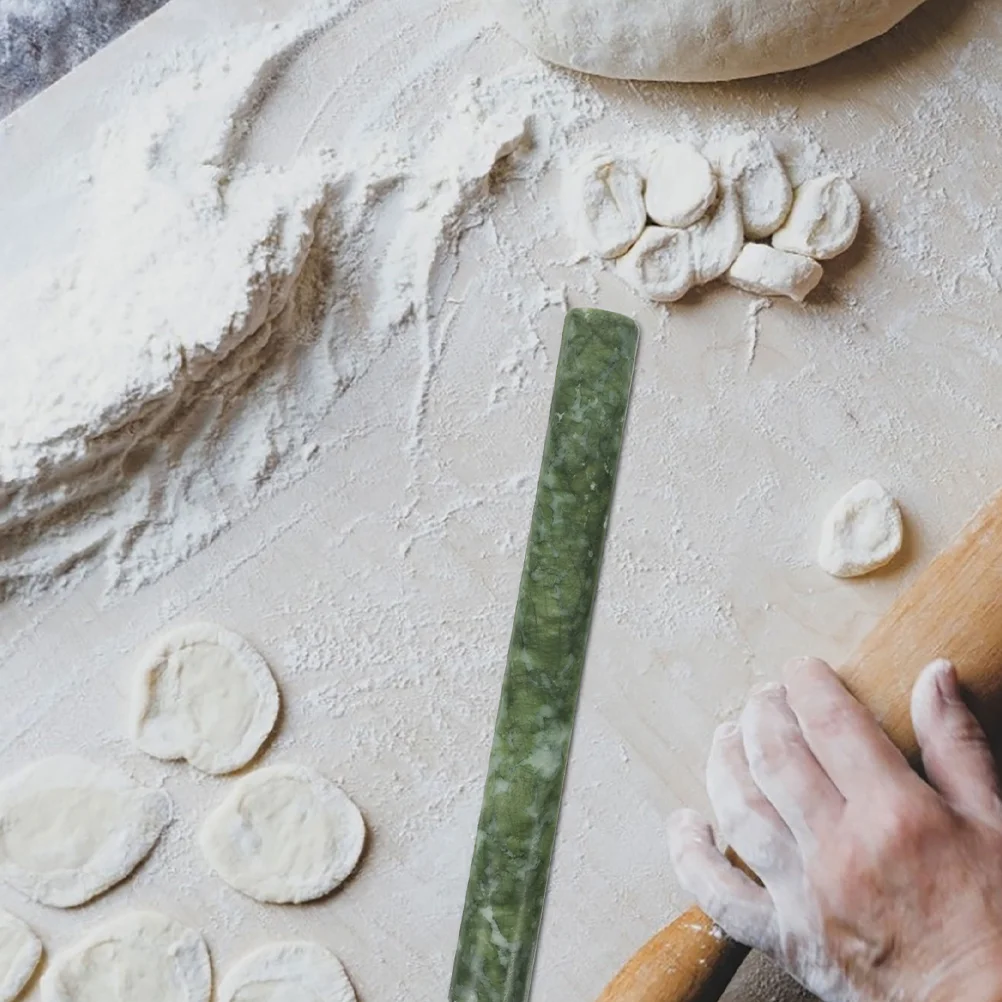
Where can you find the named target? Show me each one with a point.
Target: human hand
(877, 884)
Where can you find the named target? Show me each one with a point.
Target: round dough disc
(285, 835)
(862, 532)
(205, 695)
(605, 203)
(681, 186)
(20, 952)
(141, 955)
(693, 40)
(824, 220)
(69, 829)
(659, 265)
(288, 972)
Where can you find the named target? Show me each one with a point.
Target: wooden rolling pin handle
(953, 610)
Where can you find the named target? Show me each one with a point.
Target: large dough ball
(696, 39)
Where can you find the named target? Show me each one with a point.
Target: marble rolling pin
(539, 694)
(953, 610)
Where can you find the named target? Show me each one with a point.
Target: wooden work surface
(387, 631)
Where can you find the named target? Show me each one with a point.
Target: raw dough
(824, 219)
(205, 695)
(606, 204)
(20, 952)
(659, 266)
(696, 39)
(760, 181)
(284, 834)
(862, 532)
(717, 239)
(681, 186)
(137, 957)
(69, 829)
(769, 272)
(288, 972)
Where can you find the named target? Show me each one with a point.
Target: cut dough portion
(606, 201)
(20, 952)
(285, 835)
(695, 39)
(288, 972)
(763, 188)
(769, 272)
(660, 264)
(681, 186)
(824, 220)
(205, 695)
(69, 830)
(862, 532)
(717, 239)
(138, 956)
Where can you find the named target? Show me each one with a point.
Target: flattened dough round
(69, 829)
(659, 265)
(824, 220)
(288, 972)
(20, 952)
(204, 694)
(605, 202)
(862, 532)
(138, 956)
(285, 835)
(696, 39)
(681, 186)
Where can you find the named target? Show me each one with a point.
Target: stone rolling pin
(953, 610)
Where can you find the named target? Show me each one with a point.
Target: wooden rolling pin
(953, 610)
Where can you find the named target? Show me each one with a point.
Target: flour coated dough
(750, 163)
(606, 201)
(696, 39)
(284, 834)
(137, 957)
(659, 265)
(717, 239)
(769, 272)
(69, 829)
(288, 972)
(824, 220)
(204, 694)
(20, 953)
(681, 186)
(862, 532)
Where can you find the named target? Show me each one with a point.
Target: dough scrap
(824, 220)
(766, 271)
(69, 829)
(20, 953)
(717, 239)
(288, 972)
(284, 834)
(862, 532)
(681, 186)
(205, 695)
(659, 265)
(138, 956)
(760, 180)
(695, 40)
(606, 201)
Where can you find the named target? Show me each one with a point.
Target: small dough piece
(862, 532)
(285, 835)
(288, 972)
(681, 186)
(606, 201)
(204, 694)
(824, 220)
(717, 239)
(69, 829)
(659, 266)
(20, 953)
(760, 180)
(769, 272)
(138, 956)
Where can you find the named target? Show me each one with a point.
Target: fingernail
(945, 676)
(728, 730)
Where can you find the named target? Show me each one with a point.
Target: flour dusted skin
(693, 40)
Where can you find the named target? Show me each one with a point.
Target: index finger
(843, 735)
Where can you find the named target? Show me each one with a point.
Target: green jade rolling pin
(539, 695)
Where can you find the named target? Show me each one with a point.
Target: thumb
(956, 755)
